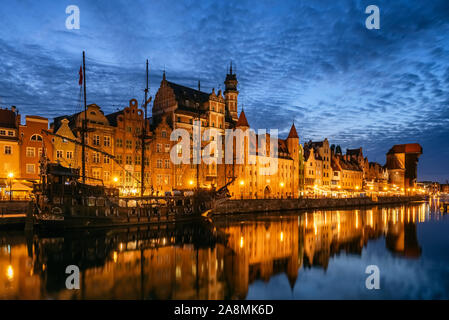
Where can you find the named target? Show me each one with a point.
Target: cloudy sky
(313, 62)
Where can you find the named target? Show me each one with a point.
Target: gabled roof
(354, 152)
(293, 134)
(183, 93)
(242, 122)
(112, 118)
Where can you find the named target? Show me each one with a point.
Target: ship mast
(84, 125)
(144, 134)
(199, 161)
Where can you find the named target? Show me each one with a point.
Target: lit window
(31, 152)
(30, 168)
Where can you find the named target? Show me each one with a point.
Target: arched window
(36, 137)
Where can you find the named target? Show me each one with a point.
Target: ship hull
(80, 222)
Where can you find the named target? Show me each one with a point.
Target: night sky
(313, 62)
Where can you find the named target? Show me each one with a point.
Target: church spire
(293, 133)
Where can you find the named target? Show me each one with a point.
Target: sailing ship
(64, 200)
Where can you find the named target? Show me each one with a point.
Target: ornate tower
(293, 148)
(231, 93)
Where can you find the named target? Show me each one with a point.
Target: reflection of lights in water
(282, 236)
(315, 228)
(10, 273)
(115, 256)
(164, 241)
(356, 219)
(121, 246)
(241, 242)
(338, 220)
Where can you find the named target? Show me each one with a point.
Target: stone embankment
(267, 205)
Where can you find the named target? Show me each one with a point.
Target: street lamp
(10, 176)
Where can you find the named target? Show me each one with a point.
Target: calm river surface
(313, 255)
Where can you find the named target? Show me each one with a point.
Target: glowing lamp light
(371, 188)
(315, 186)
(10, 175)
(385, 188)
(281, 184)
(10, 273)
(191, 182)
(242, 182)
(357, 187)
(339, 187)
(115, 179)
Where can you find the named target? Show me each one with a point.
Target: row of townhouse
(327, 169)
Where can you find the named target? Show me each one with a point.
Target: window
(11, 133)
(2, 133)
(167, 147)
(96, 173)
(39, 152)
(164, 134)
(106, 159)
(30, 168)
(167, 164)
(96, 140)
(58, 154)
(159, 163)
(137, 160)
(96, 157)
(167, 180)
(159, 179)
(69, 154)
(128, 177)
(106, 176)
(137, 130)
(107, 141)
(119, 143)
(129, 159)
(147, 161)
(129, 129)
(8, 150)
(158, 147)
(31, 152)
(119, 159)
(129, 144)
(36, 137)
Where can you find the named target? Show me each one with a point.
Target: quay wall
(15, 206)
(267, 205)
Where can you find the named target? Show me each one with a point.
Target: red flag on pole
(81, 76)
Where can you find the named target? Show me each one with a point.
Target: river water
(308, 255)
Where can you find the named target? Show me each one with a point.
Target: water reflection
(201, 261)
